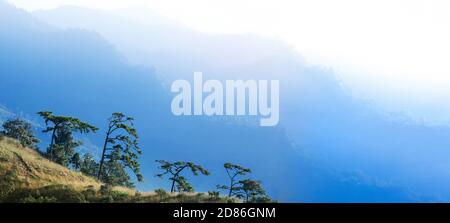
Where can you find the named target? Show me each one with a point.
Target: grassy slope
(34, 171)
(29, 170)
(31, 175)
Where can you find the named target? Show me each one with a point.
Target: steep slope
(26, 176)
(31, 170)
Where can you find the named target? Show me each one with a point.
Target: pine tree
(233, 171)
(250, 190)
(76, 161)
(88, 165)
(61, 128)
(120, 150)
(22, 131)
(64, 146)
(179, 182)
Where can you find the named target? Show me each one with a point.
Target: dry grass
(34, 171)
(24, 173)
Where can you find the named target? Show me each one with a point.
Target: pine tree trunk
(103, 154)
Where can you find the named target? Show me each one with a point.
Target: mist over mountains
(327, 147)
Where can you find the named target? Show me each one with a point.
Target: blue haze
(329, 146)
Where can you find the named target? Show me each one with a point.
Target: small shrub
(118, 196)
(213, 195)
(199, 198)
(231, 200)
(106, 189)
(264, 199)
(90, 194)
(8, 184)
(162, 194)
(182, 198)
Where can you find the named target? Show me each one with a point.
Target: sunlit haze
(395, 53)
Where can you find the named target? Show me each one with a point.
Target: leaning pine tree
(234, 171)
(61, 148)
(120, 150)
(174, 170)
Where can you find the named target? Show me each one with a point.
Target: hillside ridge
(34, 171)
(27, 176)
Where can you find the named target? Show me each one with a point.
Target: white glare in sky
(396, 52)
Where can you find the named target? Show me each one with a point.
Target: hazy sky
(394, 51)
